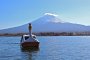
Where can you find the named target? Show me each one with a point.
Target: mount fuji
(48, 23)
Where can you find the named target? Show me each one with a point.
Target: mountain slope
(48, 23)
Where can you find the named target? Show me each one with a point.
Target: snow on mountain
(48, 23)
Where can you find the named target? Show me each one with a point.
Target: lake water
(51, 48)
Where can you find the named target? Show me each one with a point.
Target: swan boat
(29, 41)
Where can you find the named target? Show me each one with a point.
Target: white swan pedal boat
(28, 42)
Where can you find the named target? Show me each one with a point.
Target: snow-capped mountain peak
(50, 14)
(47, 18)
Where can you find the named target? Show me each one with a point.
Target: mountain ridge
(48, 23)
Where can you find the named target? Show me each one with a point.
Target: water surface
(51, 48)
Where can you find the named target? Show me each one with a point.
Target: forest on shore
(50, 34)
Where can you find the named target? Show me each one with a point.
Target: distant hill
(48, 23)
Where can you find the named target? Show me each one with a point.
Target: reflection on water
(29, 50)
(29, 54)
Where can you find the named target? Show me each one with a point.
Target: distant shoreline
(50, 34)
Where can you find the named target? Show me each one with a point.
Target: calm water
(51, 48)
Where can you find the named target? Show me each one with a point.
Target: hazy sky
(18, 12)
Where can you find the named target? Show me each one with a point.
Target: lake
(51, 48)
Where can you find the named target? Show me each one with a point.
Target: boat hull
(30, 45)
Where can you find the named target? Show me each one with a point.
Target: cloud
(50, 14)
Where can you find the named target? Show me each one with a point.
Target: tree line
(50, 34)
